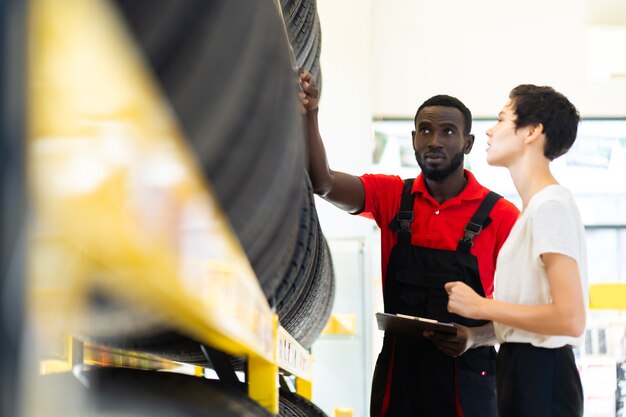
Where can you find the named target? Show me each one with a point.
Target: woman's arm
(565, 316)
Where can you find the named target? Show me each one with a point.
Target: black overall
(423, 379)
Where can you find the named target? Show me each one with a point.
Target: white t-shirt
(550, 224)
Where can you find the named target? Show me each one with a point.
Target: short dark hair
(449, 101)
(542, 104)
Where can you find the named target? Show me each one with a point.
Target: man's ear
(413, 138)
(469, 143)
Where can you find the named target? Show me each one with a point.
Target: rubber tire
(293, 405)
(133, 392)
(306, 322)
(304, 33)
(225, 69)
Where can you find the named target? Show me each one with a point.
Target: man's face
(439, 141)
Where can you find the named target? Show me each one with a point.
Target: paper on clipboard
(411, 325)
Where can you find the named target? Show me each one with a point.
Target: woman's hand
(464, 301)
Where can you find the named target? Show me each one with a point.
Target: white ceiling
(479, 50)
(605, 12)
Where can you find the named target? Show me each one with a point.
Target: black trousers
(537, 382)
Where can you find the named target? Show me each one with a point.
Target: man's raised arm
(343, 190)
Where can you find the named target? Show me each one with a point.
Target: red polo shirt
(439, 226)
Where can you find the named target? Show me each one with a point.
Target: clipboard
(411, 325)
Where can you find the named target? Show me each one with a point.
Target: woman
(539, 304)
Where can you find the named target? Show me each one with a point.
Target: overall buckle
(471, 230)
(404, 220)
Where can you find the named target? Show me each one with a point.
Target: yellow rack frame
(119, 200)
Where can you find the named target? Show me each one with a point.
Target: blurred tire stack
(138, 393)
(224, 67)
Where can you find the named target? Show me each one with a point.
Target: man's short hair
(542, 104)
(449, 101)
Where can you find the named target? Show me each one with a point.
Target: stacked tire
(304, 33)
(104, 392)
(225, 69)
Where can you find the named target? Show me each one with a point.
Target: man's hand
(466, 338)
(452, 345)
(310, 95)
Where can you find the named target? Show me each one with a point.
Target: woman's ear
(534, 132)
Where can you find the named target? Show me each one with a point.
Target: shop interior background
(381, 59)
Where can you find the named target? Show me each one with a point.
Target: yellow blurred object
(263, 376)
(122, 209)
(107, 356)
(54, 366)
(607, 296)
(304, 388)
(341, 324)
(117, 192)
(342, 412)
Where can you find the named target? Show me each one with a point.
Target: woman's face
(505, 142)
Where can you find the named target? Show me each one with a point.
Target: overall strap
(478, 222)
(402, 222)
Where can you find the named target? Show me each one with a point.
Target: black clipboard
(411, 325)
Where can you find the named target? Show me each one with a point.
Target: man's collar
(472, 191)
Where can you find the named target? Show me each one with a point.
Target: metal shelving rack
(121, 205)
